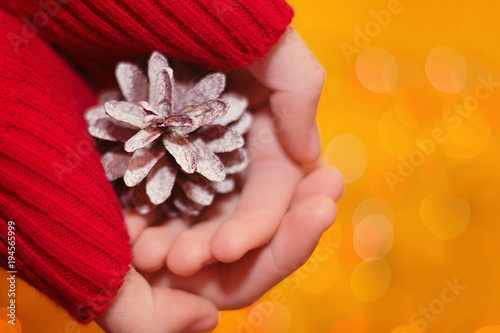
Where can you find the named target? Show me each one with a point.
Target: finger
(151, 248)
(191, 249)
(322, 180)
(299, 235)
(136, 222)
(265, 196)
(239, 284)
(292, 245)
(139, 308)
(295, 79)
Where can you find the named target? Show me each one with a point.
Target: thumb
(296, 80)
(140, 308)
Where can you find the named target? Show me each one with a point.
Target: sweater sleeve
(70, 240)
(218, 34)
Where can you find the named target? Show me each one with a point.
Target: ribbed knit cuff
(70, 239)
(219, 34)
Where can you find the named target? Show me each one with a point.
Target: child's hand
(295, 80)
(143, 306)
(262, 234)
(236, 224)
(281, 213)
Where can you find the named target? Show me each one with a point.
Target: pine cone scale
(177, 142)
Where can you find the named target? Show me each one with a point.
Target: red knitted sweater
(71, 242)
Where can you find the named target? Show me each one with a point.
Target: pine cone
(183, 141)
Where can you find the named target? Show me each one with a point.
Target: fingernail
(314, 142)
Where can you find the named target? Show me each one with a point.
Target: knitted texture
(219, 34)
(71, 242)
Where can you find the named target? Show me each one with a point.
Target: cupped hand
(247, 241)
(294, 205)
(241, 222)
(272, 226)
(286, 84)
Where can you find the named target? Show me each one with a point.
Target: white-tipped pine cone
(177, 142)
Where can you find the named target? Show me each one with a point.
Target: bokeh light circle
(372, 206)
(362, 97)
(377, 69)
(373, 237)
(347, 153)
(370, 280)
(445, 215)
(446, 69)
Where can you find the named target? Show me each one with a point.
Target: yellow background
(409, 118)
